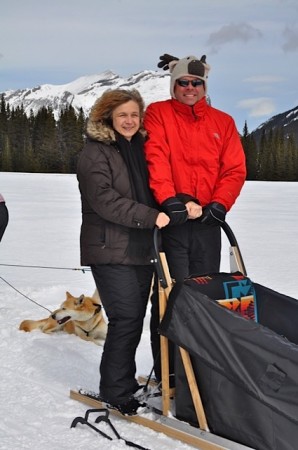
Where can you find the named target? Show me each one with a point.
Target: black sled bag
(247, 371)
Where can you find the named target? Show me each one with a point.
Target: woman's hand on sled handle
(194, 210)
(162, 220)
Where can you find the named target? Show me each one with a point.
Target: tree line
(273, 157)
(39, 143)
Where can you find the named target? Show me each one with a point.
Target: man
(196, 171)
(196, 165)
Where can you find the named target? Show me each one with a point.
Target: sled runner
(154, 419)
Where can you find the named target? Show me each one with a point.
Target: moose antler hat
(188, 66)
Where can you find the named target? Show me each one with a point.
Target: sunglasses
(185, 83)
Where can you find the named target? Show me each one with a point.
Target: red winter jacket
(195, 151)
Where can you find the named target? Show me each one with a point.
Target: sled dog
(82, 316)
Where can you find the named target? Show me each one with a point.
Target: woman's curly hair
(103, 108)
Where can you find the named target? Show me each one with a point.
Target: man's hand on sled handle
(194, 210)
(162, 220)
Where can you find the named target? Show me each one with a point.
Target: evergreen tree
(5, 158)
(18, 138)
(45, 142)
(291, 159)
(251, 153)
(264, 154)
(6, 164)
(280, 172)
(70, 138)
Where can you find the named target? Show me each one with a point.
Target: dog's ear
(81, 299)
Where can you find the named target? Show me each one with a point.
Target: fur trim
(100, 132)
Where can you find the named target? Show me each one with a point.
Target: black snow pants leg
(3, 218)
(192, 249)
(124, 292)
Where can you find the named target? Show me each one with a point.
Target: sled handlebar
(229, 233)
(157, 260)
(236, 260)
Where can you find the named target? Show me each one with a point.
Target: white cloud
(258, 107)
(291, 39)
(234, 32)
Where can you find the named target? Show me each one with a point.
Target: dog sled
(236, 361)
(245, 363)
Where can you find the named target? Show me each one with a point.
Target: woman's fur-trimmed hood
(100, 131)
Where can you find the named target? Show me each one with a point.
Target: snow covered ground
(38, 370)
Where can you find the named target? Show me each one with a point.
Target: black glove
(185, 198)
(213, 214)
(176, 210)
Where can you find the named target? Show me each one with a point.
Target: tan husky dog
(82, 316)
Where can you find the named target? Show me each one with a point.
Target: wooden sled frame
(165, 285)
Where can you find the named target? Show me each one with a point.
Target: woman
(118, 216)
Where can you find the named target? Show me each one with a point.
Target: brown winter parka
(108, 210)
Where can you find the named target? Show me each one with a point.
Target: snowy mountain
(287, 121)
(82, 92)
(153, 85)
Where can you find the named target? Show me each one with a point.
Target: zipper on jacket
(194, 114)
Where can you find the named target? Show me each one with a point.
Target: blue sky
(251, 45)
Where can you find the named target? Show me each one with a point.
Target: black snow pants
(124, 292)
(191, 249)
(3, 218)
